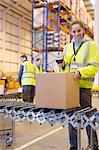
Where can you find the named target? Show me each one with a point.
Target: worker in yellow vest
(61, 64)
(27, 79)
(82, 57)
(39, 65)
(38, 68)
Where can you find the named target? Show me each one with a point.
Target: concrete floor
(42, 137)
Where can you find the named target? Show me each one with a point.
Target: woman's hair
(78, 22)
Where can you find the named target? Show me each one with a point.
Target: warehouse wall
(15, 39)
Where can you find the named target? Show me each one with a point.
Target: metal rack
(53, 20)
(6, 129)
(46, 30)
(38, 31)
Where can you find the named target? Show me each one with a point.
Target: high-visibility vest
(86, 62)
(28, 76)
(57, 70)
(38, 70)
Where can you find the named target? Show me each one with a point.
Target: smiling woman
(78, 57)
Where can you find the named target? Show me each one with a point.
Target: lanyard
(76, 51)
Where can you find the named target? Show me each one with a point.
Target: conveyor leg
(92, 138)
(78, 132)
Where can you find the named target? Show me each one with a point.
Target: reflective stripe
(29, 72)
(87, 79)
(86, 52)
(74, 69)
(93, 63)
(28, 77)
(79, 64)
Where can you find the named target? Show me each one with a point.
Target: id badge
(73, 66)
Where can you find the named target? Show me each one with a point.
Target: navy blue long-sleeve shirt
(20, 74)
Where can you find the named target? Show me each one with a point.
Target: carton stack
(66, 3)
(50, 39)
(73, 6)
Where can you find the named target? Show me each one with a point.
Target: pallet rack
(56, 19)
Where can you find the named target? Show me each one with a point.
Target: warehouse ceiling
(22, 8)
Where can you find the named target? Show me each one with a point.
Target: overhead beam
(88, 5)
(15, 10)
(12, 5)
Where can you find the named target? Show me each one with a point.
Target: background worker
(39, 65)
(27, 79)
(61, 64)
(82, 57)
(38, 68)
(6, 84)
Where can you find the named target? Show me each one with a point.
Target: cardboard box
(57, 90)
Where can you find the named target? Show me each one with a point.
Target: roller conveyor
(77, 117)
(27, 111)
(11, 96)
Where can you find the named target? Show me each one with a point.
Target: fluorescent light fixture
(93, 3)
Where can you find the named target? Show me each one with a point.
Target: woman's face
(77, 32)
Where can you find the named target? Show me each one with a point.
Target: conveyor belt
(27, 111)
(11, 96)
(77, 117)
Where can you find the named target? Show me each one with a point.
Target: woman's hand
(77, 75)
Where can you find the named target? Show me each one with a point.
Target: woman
(82, 57)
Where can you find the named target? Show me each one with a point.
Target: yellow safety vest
(57, 70)
(39, 70)
(86, 62)
(28, 76)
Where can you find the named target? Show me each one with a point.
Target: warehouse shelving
(38, 31)
(71, 15)
(57, 18)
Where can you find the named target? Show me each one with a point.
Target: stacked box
(78, 8)
(64, 39)
(73, 6)
(50, 39)
(90, 22)
(52, 19)
(66, 2)
(67, 38)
